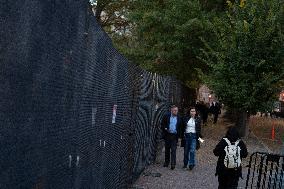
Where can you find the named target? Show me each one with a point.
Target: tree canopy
(246, 61)
(164, 36)
(241, 43)
(168, 36)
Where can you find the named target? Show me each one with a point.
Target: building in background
(281, 96)
(205, 94)
(278, 106)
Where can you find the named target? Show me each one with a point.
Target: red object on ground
(273, 133)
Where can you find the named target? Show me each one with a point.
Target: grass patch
(262, 128)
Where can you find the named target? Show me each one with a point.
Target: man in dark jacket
(203, 110)
(228, 178)
(215, 109)
(171, 126)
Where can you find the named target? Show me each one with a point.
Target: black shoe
(173, 167)
(184, 167)
(190, 167)
(166, 165)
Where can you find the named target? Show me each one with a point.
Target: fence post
(260, 172)
(282, 149)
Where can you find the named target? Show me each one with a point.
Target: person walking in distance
(230, 151)
(171, 126)
(204, 112)
(215, 109)
(192, 131)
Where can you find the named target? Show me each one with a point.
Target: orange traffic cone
(273, 133)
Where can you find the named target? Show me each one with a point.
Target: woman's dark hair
(190, 108)
(232, 134)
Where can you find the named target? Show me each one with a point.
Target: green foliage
(167, 37)
(246, 59)
(161, 36)
(112, 14)
(242, 48)
(218, 5)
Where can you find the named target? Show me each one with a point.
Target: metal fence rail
(266, 171)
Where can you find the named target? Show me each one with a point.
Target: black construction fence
(74, 114)
(265, 171)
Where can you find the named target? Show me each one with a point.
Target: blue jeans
(189, 149)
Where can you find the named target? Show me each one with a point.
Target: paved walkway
(203, 174)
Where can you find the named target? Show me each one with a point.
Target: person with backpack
(230, 151)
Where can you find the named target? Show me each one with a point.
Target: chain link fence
(74, 113)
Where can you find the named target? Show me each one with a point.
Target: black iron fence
(266, 171)
(73, 112)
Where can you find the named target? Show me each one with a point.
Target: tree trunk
(242, 123)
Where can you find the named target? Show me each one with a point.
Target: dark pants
(228, 180)
(204, 117)
(215, 118)
(170, 149)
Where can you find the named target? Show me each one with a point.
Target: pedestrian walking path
(202, 176)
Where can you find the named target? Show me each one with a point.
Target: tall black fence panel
(74, 113)
(33, 113)
(143, 124)
(153, 102)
